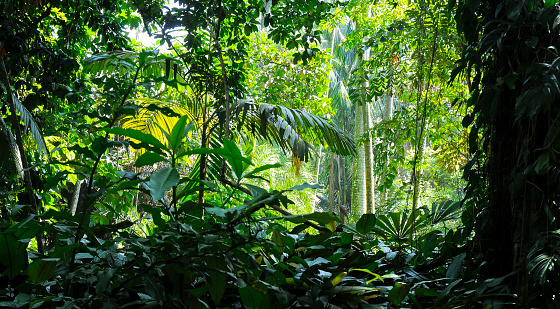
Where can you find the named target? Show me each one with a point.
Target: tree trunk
(417, 174)
(331, 184)
(388, 114)
(368, 159)
(358, 171)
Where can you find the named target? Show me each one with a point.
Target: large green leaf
(398, 293)
(31, 126)
(161, 181)
(366, 223)
(13, 245)
(148, 158)
(319, 217)
(292, 129)
(455, 266)
(218, 278)
(251, 297)
(154, 288)
(41, 270)
(179, 132)
(235, 159)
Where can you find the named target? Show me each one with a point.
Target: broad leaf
(251, 297)
(366, 223)
(148, 158)
(161, 181)
(398, 293)
(179, 132)
(455, 266)
(13, 244)
(41, 270)
(322, 218)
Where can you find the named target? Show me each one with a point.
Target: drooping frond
(30, 124)
(291, 129)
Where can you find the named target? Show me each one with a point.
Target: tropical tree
(511, 62)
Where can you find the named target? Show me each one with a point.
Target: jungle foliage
(178, 176)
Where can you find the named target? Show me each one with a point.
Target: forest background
(275, 154)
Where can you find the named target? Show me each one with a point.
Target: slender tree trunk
(358, 171)
(417, 174)
(317, 170)
(331, 183)
(363, 193)
(388, 114)
(368, 159)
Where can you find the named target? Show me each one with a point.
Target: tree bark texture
(358, 171)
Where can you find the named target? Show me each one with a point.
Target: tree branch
(275, 207)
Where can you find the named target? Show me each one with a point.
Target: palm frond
(29, 121)
(153, 121)
(544, 258)
(291, 128)
(123, 61)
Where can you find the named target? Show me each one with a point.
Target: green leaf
(250, 297)
(339, 278)
(366, 223)
(41, 270)
(103, 281)
(138, 135)
(178, 133)
(455, 266)
(13, 244)
(154, 288)
(259, 169)
(236, 159)
(162, 181)
(148, 158)
(365, 270)
(217, 286)
(322, 218)
(541, 162)
(398, 293)
(156, 215)
(218, 278)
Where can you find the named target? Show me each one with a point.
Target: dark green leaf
(148, 158)
(251, 297)
(41, 270)
(178, 133)
(319, 217)
(455, 266)
(154, 288)
(398, 293)
(366, 223)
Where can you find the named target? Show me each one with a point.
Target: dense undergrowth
(235, 255)
(209, 243)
